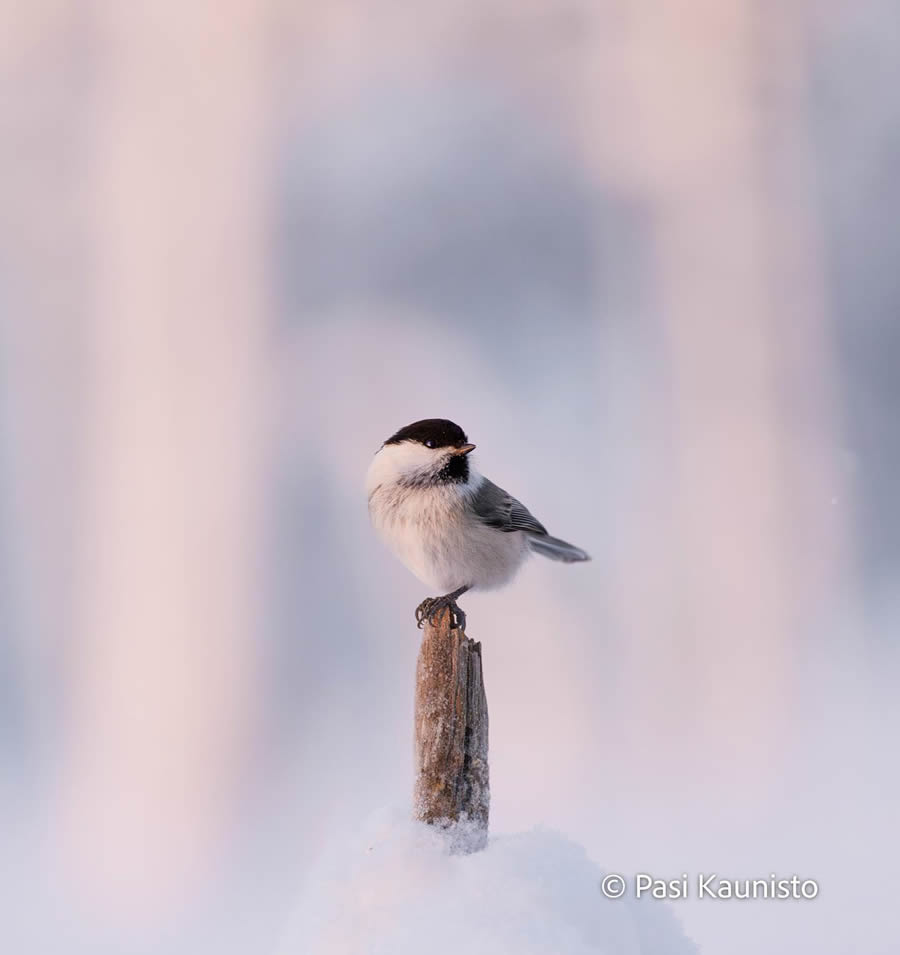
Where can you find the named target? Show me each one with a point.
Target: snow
(394, 889)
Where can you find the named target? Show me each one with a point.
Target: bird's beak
(465, 449)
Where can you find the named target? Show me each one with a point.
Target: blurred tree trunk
(740, 544)
(168, 557)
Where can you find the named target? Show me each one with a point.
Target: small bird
(451, 526)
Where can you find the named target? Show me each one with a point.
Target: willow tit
(451, 526)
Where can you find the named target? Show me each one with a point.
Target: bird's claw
(422, 611)
(430, 609)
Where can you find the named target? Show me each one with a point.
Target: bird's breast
(435, 535)
(420, 526)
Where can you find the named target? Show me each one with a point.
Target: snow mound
(395, 889)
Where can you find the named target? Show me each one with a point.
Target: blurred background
(644, 253)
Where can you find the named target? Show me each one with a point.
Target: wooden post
(452, 788)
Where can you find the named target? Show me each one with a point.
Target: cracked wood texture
(452, 784)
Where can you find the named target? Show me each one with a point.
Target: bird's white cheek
(396, 463)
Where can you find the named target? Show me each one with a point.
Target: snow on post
(452, 788)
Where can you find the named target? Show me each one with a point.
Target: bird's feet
(431, 608)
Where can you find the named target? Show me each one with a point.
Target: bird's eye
(429, 443)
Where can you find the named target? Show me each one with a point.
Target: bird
(452, 527)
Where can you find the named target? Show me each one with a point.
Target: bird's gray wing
(495, 507)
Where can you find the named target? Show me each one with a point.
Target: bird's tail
(556, 549)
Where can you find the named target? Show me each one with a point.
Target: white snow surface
(394, 889)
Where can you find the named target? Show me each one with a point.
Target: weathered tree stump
(452, 784)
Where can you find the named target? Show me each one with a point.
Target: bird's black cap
(440, 432)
